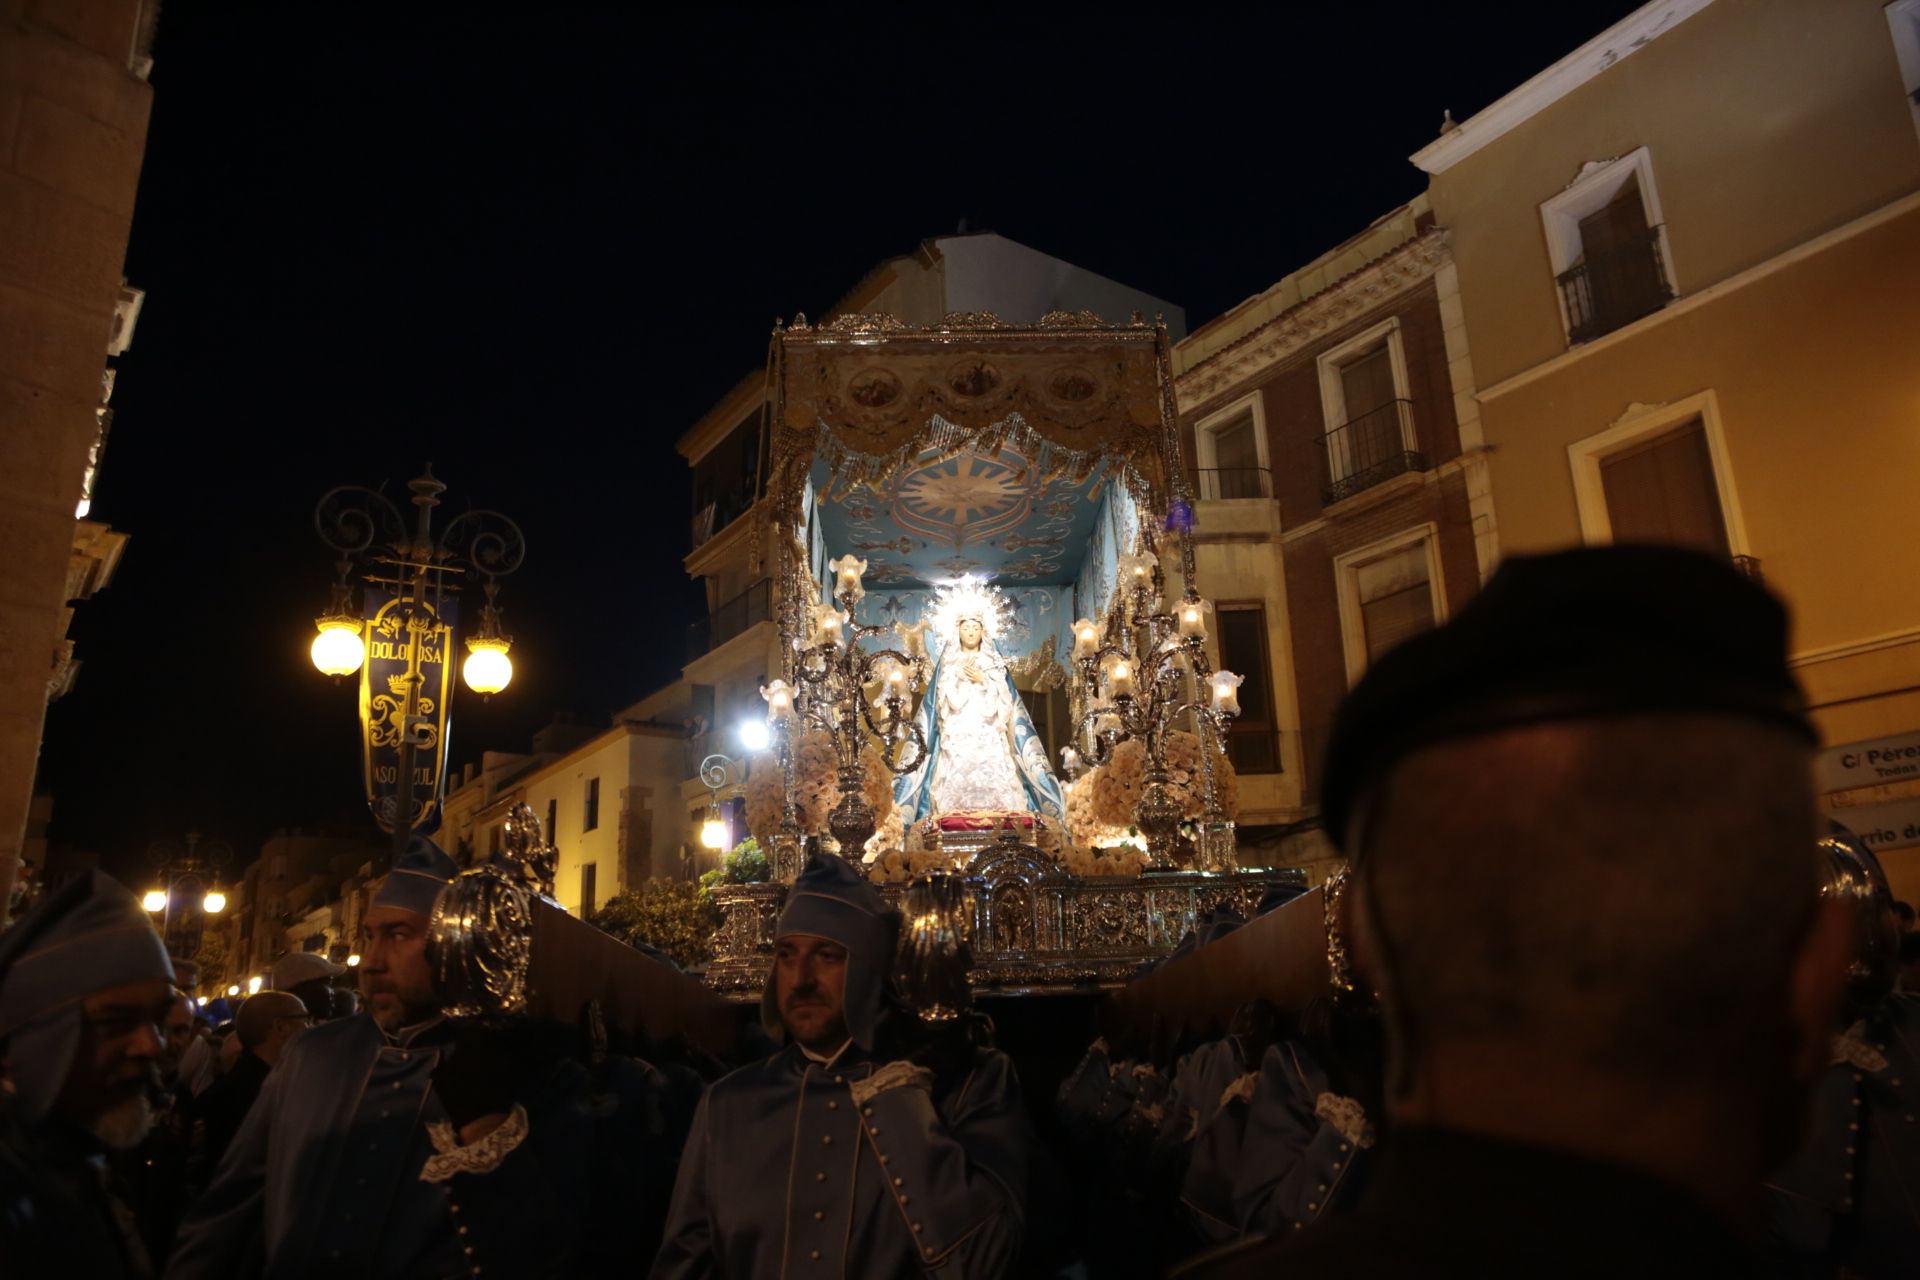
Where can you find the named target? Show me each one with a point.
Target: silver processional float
(942, 497)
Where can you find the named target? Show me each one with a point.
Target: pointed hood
(831, 899)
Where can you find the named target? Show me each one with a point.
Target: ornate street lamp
(719, 773)
(400, 640)
(188, 890)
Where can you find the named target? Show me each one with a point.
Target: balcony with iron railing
(1213, 484)
(752, 606)
(1607, 291)
(1367, 450)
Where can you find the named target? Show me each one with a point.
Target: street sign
(383, 686)
(1893, 825)
(1869, 763)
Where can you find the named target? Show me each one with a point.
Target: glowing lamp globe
(713, 833)
(353, 961)
(487, 669)
(338, 650)
(233, 990)
(254, 984)
(214, 903)
(156, 900)
(754, 735)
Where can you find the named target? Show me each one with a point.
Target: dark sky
(533, 248)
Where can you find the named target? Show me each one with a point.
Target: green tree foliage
(673, 915)
(212, 958)
(743, 864)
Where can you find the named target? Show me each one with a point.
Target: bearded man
(394, 1143)
(85, 985)
(868, 1146)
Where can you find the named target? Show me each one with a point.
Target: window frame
(1333, 391)
(590, 806)
(1638, 425)
(1207, 458)
(1270, 677)
(1346, 575)
(1591, 190)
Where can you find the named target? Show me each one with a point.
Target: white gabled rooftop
(1622, 40)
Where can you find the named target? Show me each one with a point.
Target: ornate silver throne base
(1035, 928)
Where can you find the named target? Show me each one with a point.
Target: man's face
(116, 1068)
(810, 987)
(317, 995)
(179, 1029)
(393, 968)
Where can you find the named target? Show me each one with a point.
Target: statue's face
(971, 633)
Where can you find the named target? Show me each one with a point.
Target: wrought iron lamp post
(1149, 670)
(188, 890)
(423, 571)
(718, 772)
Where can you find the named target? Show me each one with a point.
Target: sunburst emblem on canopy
(968, 597)
(963, 500)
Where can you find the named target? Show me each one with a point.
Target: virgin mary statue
(982, 751)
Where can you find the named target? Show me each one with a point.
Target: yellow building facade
(1689, 263)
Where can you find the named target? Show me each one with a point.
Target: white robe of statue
(975, 768)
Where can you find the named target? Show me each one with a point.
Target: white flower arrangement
(816, 786)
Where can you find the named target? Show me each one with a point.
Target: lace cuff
(894, 1075)
(1346, 1116)
(483, 1156)
(1851, 1047)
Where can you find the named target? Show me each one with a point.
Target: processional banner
(383, 686)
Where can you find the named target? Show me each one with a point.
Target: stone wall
(73, 126)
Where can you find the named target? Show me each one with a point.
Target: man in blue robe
(1848, 1204)
(85, 984)
(392, 1143)
(865, 1147)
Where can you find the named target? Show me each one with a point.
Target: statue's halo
(971, 596)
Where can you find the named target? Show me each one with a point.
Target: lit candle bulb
(1226, 692)
(1120, 680)
(827, 622)
(1138, 569)
(846, 573)
(1193, 619)
(1086, 638)
(779, 696)
(1070, 762)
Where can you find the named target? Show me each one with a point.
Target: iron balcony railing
(1369, 449)
(754, 605)
(1213, 483)
(1607, 291)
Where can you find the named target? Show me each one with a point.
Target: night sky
(534, 248)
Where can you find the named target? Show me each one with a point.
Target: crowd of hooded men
(1617, 1004)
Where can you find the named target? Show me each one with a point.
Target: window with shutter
(1396, 598)
(1389, 591)
(1663, 490)
(1253, 742)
